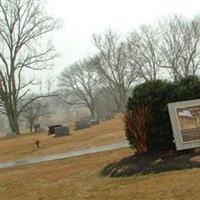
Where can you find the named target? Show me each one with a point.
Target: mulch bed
(153, 163)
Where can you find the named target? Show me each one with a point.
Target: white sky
(82, 18)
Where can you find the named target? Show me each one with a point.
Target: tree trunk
(122, 99)
(12, 115)
(31, 126)
(117, 103)
(11, 103)
(92, 110)
(14, 126)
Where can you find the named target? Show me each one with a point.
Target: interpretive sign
(185, 120)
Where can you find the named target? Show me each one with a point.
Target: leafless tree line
(169, 49)
(34, 111)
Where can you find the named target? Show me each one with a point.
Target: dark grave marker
(82, 124)
(52, 129)
(61, 131)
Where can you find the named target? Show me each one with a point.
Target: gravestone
(11, 135)
(185, 121)
(52, 129)
(94, 120)
(82, 124)
(61, 131)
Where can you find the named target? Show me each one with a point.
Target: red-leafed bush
(137, 126)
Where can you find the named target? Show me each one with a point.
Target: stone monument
(185, 121)
(61, 131)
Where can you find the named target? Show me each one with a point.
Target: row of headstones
(59, 130)
(86, 123)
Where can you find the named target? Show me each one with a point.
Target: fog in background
(81, 19)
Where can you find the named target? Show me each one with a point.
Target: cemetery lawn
(79, 178)
(107, 132)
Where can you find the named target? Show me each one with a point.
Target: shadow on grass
(152, 163)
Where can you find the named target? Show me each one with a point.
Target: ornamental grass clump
(137, 126)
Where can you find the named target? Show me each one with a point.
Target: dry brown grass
(108, 132)
(79, 178)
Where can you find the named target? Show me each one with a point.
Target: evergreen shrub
(156, 95)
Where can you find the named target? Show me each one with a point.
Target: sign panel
(185, 120)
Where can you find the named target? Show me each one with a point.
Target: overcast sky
(82, 18)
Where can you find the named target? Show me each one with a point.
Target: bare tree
(181, 46)
(144, 52)
(34, 111)
(104, 103)
(79, 80)
(22, 25)
(115, 72)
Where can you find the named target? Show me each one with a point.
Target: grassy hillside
(79, 178)
(108, 132)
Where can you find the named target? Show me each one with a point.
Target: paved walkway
(14, 163)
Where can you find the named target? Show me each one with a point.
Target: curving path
(14, 163)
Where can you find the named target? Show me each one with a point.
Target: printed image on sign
(189, 123)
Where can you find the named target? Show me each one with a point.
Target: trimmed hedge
(157, 94)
